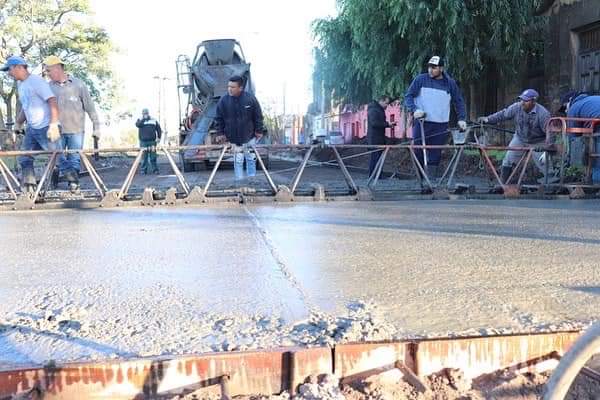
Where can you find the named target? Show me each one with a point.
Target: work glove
(543, 148)
(53, 132)
(419, 114)
(462, 125)
(482, 120)
(220, 139)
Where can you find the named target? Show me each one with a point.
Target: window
(589, 40)
(588, 69)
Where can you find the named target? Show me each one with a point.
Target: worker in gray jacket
(530, 120)
(74, 101)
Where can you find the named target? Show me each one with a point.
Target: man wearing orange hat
(74, 101)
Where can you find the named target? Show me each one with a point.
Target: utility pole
(162, 107)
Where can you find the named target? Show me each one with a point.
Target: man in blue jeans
(40, 111)
(239, 119)
(74, 101)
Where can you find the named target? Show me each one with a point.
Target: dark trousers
(377, 154)
(436, 133)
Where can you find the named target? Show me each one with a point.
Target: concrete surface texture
(78, 285)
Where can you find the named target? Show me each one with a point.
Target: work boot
(155, 171)
(28, 181)
(73, 180)
(55, 179)
(505, 174)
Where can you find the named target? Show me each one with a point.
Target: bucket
(458, 136)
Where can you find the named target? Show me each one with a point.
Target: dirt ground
(444, 385)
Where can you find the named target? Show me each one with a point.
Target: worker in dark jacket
(583, 105)
(239, 119)
(376, 125)
(149, 133)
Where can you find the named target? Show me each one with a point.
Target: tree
(377, 46)
(35, 29)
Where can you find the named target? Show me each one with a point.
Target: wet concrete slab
(85, 284)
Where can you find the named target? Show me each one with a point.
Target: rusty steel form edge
(269, 372)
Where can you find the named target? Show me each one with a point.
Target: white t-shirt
(34, 93)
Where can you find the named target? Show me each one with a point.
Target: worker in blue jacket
(429, 97)
(582, 105)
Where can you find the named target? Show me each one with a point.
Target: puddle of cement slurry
(95, 284)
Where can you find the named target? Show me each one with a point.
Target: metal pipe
(93, 170)
(491, 166)
(300, 170)
(420, 168)
(131, 174)
(264, 169)
(47, 171)
(177, 171)
(527, 159)
(515, 168)
(379, 167)
(214, 170)
(451, 177)
(347, 175)
(10, 174)
(7, 180)
(422, 124)
(92, 175)
(571, 363)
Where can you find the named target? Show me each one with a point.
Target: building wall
(571, 23)
(354, 124)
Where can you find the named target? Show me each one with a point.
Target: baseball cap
(436, 60)
(52, 60)
(12, 61)
(529, 94)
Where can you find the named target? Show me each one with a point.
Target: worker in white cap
(74, 101)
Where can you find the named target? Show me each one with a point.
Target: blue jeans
(72, 161)
(36, 139)
(240, 153)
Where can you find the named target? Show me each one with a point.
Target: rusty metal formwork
(274, 371)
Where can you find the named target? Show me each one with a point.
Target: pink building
(353, 123)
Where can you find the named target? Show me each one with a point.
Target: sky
(274, 34)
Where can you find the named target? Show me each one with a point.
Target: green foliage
(378, 46)
(38, 28)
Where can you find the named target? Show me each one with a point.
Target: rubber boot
(505, 174)
(29, 181)
(55, 178)
(425, 188)
(73, 180)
